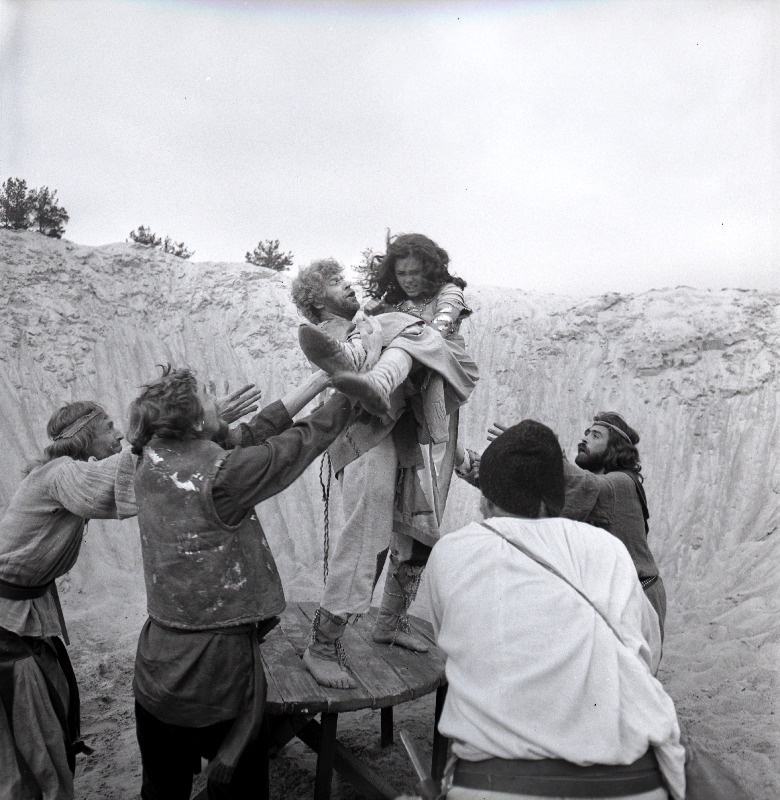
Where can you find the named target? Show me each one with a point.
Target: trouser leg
(169, 756)
(368, 494)
(656, 594)
(408, 558)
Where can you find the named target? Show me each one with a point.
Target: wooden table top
(386, 675)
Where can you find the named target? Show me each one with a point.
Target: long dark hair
(380, 281)
(168, 408)
(620, 454)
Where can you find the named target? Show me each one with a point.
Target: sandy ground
(113, 772)
(729, 709)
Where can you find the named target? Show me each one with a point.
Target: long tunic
(40, 537)
(533, 670)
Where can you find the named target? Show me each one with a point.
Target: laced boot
(372, 388)
(392, 624)
(324, 657)
(327, 353)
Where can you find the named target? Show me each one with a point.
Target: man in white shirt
(551, 645)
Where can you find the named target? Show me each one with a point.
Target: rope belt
(552, 777)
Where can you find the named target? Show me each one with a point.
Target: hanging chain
(325, 488)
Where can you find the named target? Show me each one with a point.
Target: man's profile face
(592, 448)
(107, 440)
(338, 297)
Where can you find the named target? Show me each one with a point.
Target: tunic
(40, 537)
(533, 670)
(610, 501)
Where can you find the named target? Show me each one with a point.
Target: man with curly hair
(393, 499)
(212, 585)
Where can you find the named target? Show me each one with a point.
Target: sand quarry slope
(694, 371)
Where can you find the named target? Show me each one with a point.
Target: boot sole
(322, 350)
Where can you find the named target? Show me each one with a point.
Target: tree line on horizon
(22, 208)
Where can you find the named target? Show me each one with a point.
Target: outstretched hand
(237, 404)
(371, 335)
(495, 430)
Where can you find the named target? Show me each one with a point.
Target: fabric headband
(76, 426)
(612, 427)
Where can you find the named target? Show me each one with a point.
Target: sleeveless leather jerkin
(200, 573)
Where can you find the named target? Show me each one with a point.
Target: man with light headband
(82, 475)
(605, 489)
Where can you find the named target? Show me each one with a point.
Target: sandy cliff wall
(695, 372)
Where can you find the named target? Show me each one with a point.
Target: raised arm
(250, 475)
(97, 489)
(582, 491)
(275, 417)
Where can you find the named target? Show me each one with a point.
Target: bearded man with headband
(604, 488)
(551, 646)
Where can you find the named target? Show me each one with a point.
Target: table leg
(325, 759)
(439, 755)
(386, 726)
(265, 740)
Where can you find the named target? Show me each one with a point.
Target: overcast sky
(571, 147)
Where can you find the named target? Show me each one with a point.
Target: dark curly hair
(380, 282)
(620, 454)
(168, 408)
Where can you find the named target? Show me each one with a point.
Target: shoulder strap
(640, 490)
(550, 568)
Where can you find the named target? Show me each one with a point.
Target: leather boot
(372, 388)
(392, 624)
(324, 657)
(324, 351)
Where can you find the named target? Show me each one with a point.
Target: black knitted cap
(521, 467)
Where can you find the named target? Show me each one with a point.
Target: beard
(589, 461)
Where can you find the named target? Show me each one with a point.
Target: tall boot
(324, 657)
(327, 353)
(372, 388)
(392, 624)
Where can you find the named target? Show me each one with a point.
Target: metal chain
(325, 487)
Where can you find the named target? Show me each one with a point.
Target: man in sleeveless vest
(604, 488)
(212, 584)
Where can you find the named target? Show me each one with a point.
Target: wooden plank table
(386, 676)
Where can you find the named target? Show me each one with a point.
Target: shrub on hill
(267, 254)
(22, 208)
(145, 236)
